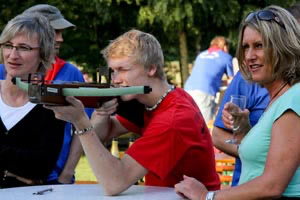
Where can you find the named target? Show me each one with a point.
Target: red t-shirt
(174, 141)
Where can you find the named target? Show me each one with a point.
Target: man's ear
(152, 70)
(226, 48)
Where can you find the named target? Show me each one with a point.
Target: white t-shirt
(12, 115)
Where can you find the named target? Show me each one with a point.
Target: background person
(295, 11)
(174, 137)
(269, 54)
(206, 77)
(30, 136)
(257, 101)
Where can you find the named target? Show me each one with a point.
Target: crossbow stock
(90, 94)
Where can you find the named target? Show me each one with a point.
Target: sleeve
(158, 151)
(2, 72)
(167, 139)
(290, 102)
(69, 73)
(229, 67)
(130, 126)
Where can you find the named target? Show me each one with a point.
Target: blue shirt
(67, 73)
(2, 72)
(208, 70)
(257, 101)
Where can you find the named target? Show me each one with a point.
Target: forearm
(219, 137)
(72, 161)
(258, 188)
(107, 127)
(102, 126)
(109, 171)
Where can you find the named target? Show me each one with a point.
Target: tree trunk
(183, 57)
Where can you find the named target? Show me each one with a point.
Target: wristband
(210, 196)
(83, 131)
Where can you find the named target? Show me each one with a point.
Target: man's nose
(115, 78)
(59, 37)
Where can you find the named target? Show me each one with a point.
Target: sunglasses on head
(265, 15)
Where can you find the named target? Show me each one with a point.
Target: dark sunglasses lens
(250, 16)
(266, 15)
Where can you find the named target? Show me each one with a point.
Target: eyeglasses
(22, 48)
(265, 15)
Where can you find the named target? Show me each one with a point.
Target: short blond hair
(141, 46)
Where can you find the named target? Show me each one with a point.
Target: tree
(98, 22)
(183, 27)
(188, 19)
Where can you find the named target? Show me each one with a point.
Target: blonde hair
(281, 45)
(31, 24)
(143, 47)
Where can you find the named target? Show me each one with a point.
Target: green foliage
(99, 21)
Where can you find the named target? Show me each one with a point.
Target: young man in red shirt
(174, 138)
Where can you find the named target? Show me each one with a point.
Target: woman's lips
(255, 67)
(13, 65)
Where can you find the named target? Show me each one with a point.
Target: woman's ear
(152, 70)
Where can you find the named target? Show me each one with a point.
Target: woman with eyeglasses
(269, 54)
(30, 135)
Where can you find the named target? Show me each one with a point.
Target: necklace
(161, 99)
(277, 92)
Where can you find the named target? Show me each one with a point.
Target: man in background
(206, 77)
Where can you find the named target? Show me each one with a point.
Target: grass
(83, 171)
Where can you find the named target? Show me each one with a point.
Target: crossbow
(90, 94)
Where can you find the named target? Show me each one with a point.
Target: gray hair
(281, 45)
(31, 24)
(143, 47)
